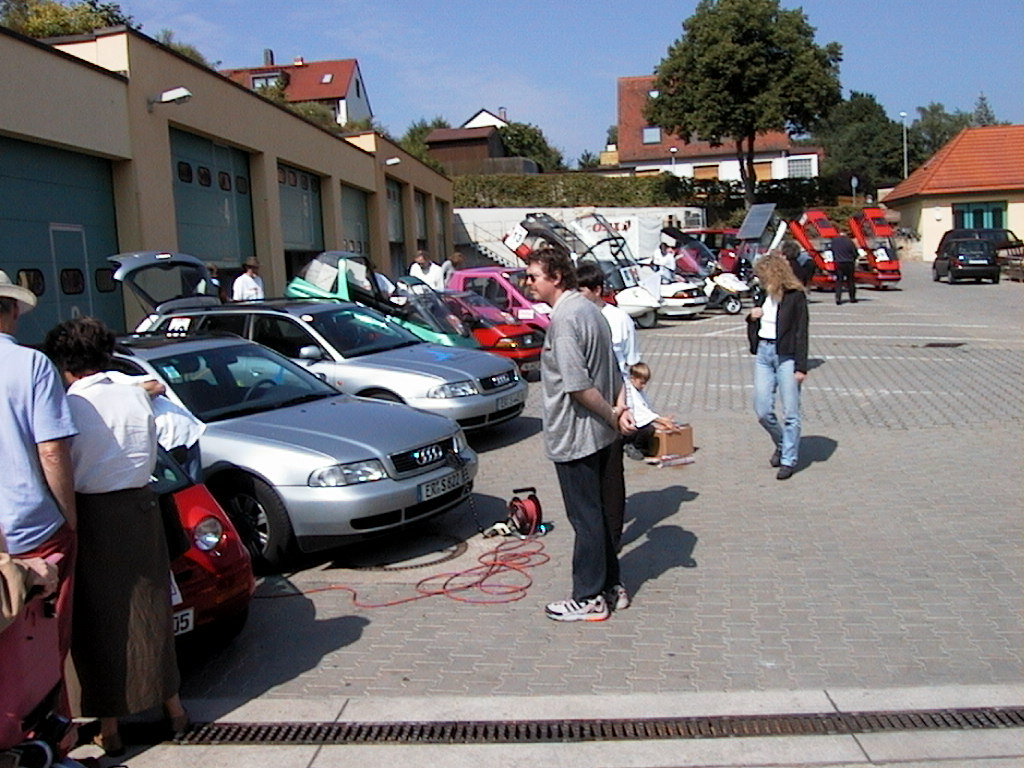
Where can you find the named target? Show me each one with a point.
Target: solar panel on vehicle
(756, 221)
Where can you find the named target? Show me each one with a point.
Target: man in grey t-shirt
(583, 415)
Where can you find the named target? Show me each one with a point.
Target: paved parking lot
(892, 557)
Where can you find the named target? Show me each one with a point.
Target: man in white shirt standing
(248, 286)
(427, 271)
(590, 279)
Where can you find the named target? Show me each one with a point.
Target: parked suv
(1008, 246)
(361, 352)
(958, 259)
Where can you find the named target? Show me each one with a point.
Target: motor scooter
(724, 290)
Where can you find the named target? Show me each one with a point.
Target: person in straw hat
(37, 500)
(248, 286)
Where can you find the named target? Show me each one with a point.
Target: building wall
(51, 99)
(697, 159)
(930, 217)
(60, 100)
(356, 104)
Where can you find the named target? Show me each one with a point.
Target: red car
(874, 237)
(213, 580)
(814, 232)
(496, 330)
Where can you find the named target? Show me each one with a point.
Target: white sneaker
(618, 598)
(594, 609)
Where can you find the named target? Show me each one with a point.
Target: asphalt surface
(890, 560)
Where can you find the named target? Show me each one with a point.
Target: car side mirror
(311, 352)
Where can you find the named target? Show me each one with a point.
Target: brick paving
(892, 557)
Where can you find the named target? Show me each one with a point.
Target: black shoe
(838, 302)
(853, 301)
(776, 458)
(785, 473)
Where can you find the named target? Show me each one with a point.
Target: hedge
(723, 200)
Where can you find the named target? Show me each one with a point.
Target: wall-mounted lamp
(393, 161)
(177, 95)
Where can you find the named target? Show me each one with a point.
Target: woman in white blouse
(777, 332)
(122, 637)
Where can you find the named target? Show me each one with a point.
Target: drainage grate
(943, 344)
(541, 731)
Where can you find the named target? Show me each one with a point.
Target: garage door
(212, 201)
(57, 227)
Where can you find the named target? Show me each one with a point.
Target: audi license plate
(507, 401)
(184, 621)
(442, 485)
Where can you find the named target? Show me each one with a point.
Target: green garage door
(212, 203)
(57, 227)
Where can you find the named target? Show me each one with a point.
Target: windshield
(973, 247)
(693, 257)
(226, 381)
(475, 309)
(354, 332)
(424, 306)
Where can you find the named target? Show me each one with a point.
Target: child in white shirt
(641, 442)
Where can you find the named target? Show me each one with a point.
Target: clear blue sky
(555, 63)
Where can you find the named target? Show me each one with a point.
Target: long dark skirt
(122, 642)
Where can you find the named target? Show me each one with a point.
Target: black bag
(177, 540)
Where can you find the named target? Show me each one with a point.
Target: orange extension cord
(486, 583)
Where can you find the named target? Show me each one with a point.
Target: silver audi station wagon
(354, 348)
(297, 465)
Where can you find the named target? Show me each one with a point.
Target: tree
(414, 140)
(743, 68)
(526, 140)
(860, 140)
(983, 114)
(588, 159)
(612, 136)
(166, 37)
(50, 18)
(934, 128)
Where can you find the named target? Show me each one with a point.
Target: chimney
(299, 61)
(503, 114)
(268, 57)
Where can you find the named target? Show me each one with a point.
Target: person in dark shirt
(844, 254)
(800, 261)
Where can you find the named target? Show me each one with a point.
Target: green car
(410, 302)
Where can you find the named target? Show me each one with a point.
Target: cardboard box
(677, 442)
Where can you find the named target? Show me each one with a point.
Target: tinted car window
(167, 476)
(223, 382)
(355, 332)
(228, 323)
(281, 334)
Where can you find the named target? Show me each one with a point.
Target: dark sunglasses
(530, 278)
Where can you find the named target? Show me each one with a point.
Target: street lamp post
(903, 119)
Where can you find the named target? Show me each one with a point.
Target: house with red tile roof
(644, 148)
(337, 84)
(975, 180)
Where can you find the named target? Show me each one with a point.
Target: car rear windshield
(355, 332)
(981, 247)
(225, 381)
